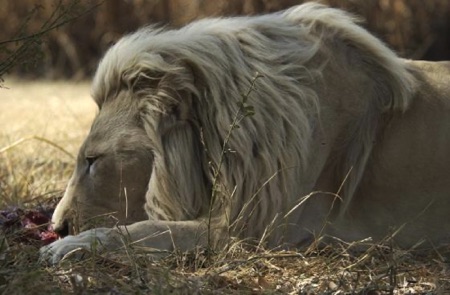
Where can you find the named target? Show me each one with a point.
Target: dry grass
(54, 117)
(39, 122)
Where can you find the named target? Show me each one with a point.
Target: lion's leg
(166, 235)
(162, 235)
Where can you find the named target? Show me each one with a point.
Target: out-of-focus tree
(24, 46)
(414, 28)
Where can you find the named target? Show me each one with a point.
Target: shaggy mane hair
(188, 84)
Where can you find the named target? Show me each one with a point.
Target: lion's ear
(145, 71)
(175, 93)
(138, 79)
(170, 82)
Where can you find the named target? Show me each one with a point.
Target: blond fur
(328, 89)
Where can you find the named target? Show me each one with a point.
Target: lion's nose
(62, 229)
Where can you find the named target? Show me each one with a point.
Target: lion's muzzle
(62, 229)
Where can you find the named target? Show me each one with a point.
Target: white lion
(347, 140)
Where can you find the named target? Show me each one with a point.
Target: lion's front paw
(74, 246)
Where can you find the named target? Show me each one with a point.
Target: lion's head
(112, 169)
(143, 157)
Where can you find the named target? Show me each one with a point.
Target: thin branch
(59, 17)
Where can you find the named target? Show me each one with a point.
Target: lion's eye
(90, 164)
(90, 160)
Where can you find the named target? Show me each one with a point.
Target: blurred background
(65, 39)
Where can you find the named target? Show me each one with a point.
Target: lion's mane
(189, 84)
